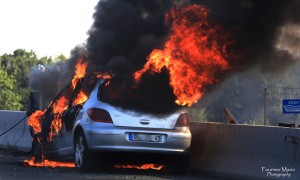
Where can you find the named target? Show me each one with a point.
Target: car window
(112, 92)
(118, 93)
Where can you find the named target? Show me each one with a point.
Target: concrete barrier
(246, 151)
(228, 150)
(19, 138)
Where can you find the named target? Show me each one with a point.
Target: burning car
(193, 54)
(97, 127)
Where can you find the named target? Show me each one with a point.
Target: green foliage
(9, 99)
(60, 58)
(17, 67)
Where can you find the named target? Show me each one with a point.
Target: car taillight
(99, 115)
(183, 120)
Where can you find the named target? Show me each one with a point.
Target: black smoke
(124, 33)
(256, 25)
(48, 82)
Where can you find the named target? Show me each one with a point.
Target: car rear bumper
(111, 138)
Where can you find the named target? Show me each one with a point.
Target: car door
(66, 149)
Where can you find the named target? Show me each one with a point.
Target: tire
(82, 156)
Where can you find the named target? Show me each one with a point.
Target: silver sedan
(101, 127)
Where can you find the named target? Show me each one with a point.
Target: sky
(48, 27)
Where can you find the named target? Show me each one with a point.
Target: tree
(60, 58)
(18, 65)
(9, 98)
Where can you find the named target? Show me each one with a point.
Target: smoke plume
(125, 32)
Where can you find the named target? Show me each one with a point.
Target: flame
(80, 70)
(34, 120)
(58, 109)
(142, 167)
(194, 53)
(60, 105)
(81, 98)
(105, 76)
(47, 163)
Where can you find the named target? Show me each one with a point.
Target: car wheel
(82, 156)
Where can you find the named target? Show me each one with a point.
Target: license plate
(146, 137)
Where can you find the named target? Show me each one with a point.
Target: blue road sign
(291, 106)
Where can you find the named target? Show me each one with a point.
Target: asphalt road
(11, 167)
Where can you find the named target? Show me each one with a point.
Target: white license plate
(146, 137)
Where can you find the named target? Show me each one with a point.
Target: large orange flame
(59, 107)
(61, 104)
(80, 70)
(194, 53)
(81, 98)
(34, 121)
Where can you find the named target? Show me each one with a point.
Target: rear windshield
(148, 98)
(109, 93)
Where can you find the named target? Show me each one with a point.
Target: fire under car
(95, 133)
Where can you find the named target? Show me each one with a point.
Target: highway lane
(12, 168)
